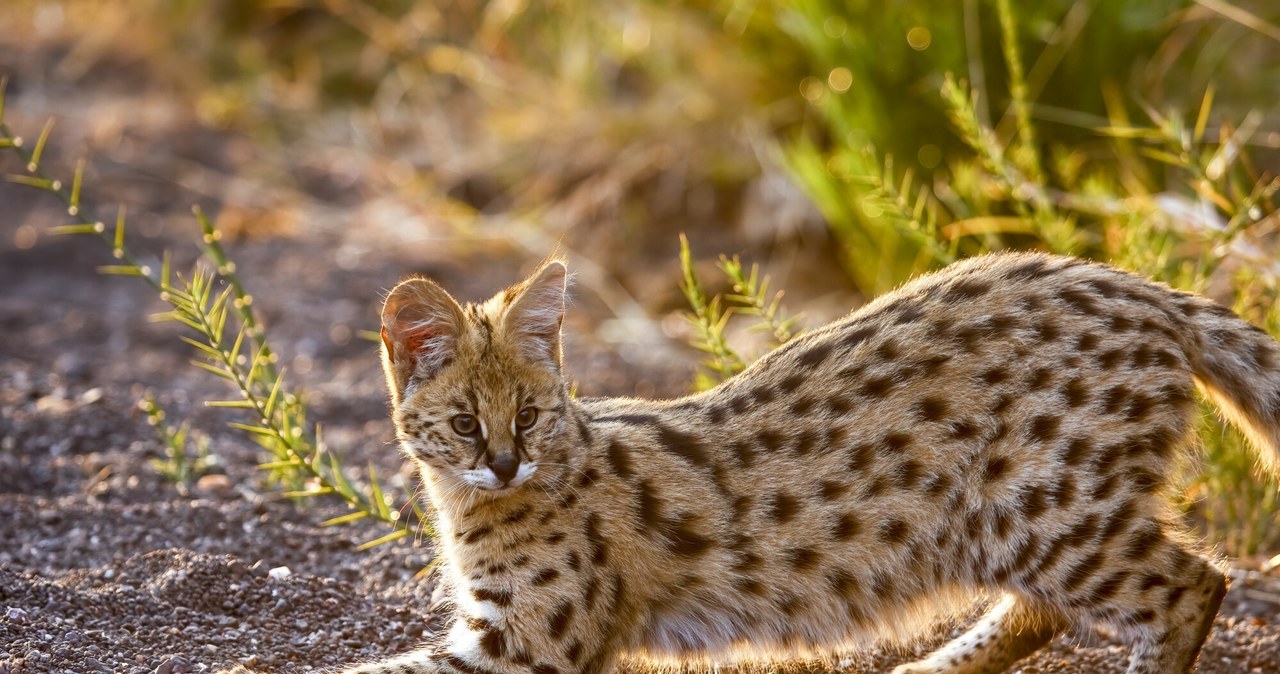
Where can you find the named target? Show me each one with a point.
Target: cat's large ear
(420, 328)
(535, 310)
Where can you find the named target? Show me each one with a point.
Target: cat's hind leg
(1010, 631)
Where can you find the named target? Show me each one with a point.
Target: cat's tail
(1238, 366)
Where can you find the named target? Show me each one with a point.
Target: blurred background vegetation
(845, 146)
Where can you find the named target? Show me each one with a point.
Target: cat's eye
(465, 424)
(526, 417)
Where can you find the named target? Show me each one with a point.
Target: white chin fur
(485, 479)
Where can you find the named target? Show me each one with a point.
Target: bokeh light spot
(812, 88)
(919, 38)
(840, 79)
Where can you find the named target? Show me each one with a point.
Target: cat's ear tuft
(535, 310)
(420, 328)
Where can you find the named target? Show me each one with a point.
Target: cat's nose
(504, 466)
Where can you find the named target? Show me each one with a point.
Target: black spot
(620, 458)
(783, 507)
(995, 375)
(894, 531)
(1114, 398)
(1082, 571)
(1075, 393)
(803, 558)
(1002, 403)
(770, 441)
(1104, 287)
(477, 534)
(1044, 428)
(1087, 342)
(842, 583)
(876, 387)
(893, 443)
(588, 478)
(555, 538)
(995, 468)
(1108, 587)
(739, 404)
(749, 585)
(861, 456)
(1152, 581)
(815, 354)
(493, 644)
(744, 453)
(1029, 270)
(805, 442)
(1040, 378)
(846, 527)
(682, 444)
(648, 508)
(832, 489)
(938, 486)
(839, 406)
(1121, 323)
(931, 408)
(1047, 331)
(1139, 407)
(887, 351)
(1165, 358)
(1076, 450)
(909, 313)
(907, 474)
(1080, 300)
(558, 621)
(802, 405)
(1033, 503)
(792, 382)
(498, 597)
(685, 542)
(574, 652)
(545, 576)
(599, 549)
(716, 414)
(857, 337)
(966, 289)
(762, 394)
(963, 429)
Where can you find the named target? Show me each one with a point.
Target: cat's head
(477, 395)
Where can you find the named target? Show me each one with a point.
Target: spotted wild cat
(1005, 427)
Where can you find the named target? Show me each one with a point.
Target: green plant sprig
(751, 293)
(180, 464)
(300, 460)
(709, 319)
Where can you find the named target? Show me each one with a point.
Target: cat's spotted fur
(1007, 425)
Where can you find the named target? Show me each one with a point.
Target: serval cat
(1005, 427)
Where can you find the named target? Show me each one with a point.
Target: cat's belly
(713, 628)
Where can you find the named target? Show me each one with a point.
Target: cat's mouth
(486, 480)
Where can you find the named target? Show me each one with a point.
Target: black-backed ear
(420, 328)
(535, 310)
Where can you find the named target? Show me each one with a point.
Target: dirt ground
(106, 567)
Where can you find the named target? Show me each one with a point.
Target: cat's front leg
(480, 646)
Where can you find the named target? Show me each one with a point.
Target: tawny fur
(1006, 426)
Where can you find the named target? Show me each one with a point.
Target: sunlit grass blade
(47, 184)
(62, 230)
(376, 491)
(73, 205)
(213, 369)
(38, 151)
(237, 404)
(345, 519)
(393, 536)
